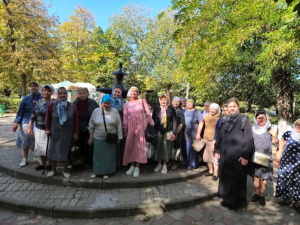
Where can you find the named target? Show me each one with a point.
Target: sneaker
(39, 167)
(48, 167)
(23, 162)
(255, 198)
(164, 169)
(136, 172)
(174, 167)
(105, 177)
(262, 201)
(51, 173)
(157, 168)
(130, 171)
(66, 174)
(93, 176)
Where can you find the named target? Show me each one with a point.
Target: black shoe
(189, 168)
(255, 198)
(48, 167)
(81, 167)
(73, 168)
(262, 201)
(285, 202)
(214, 178)
(208, 174)
(39, 167)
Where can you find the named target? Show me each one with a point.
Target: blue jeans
(192, 155)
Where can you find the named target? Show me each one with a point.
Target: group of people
(84, 127)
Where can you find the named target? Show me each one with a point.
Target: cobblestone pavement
(209, 212)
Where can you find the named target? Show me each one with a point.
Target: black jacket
(171, 119)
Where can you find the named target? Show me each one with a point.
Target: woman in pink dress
(135, 124)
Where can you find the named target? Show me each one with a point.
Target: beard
(234, 114)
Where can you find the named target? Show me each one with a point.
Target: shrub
(11, 103)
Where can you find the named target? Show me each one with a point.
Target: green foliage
(11, 104)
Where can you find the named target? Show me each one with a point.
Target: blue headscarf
(61, 107)
(106, 98)
(116, 102)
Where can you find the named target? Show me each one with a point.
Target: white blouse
(112, 120)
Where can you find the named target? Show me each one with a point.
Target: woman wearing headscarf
(164, 117)
(288, 161)
(177, 147)
(85, 107)
(136, 115)
(263, 136)
(104, 152)
(117, 103)
(193, 117)
(25, 141)
(212, 122)
(62, 124)
(38, 119)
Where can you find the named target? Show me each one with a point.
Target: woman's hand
(90, 141)
(243, 161)
(213, 146)
(173, 137)
(76, 137)
(217, 155)
(277, 160)
(198, 137)
(48, 132)
(15, 127)
(29, 131)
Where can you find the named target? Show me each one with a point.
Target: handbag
(169, 135)
(151, 133)
(261, 159)
(110, 137)
(198, 145)
(150, 150)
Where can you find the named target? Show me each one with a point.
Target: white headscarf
(261, 130)
(295, 135)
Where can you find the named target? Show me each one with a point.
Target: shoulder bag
(110, 137)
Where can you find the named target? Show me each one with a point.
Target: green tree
(151, 42)
(28, 44)
(217, 39)
(78, 56)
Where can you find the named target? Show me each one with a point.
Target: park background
(205, 50)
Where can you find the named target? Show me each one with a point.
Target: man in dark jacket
(234, 148)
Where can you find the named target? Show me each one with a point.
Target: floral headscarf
(116, 102)
(61, 107)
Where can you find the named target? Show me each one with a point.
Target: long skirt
(163, 148)
(40, 142)
(208, 155)
(24, 140)
(232, 183)
(104, 160)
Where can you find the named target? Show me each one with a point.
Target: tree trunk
(284, 94)
(23, 77)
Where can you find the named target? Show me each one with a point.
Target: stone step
(10, 159)
(22, 195)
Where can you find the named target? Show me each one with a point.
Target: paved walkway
(24, 190)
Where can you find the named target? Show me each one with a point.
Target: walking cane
(48, 137)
